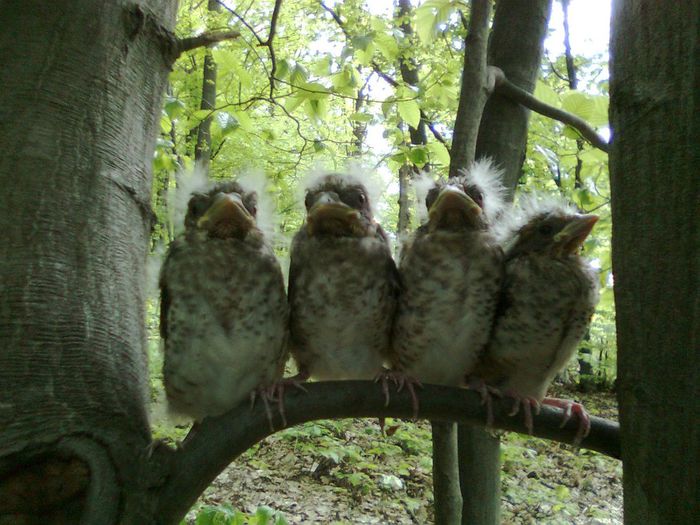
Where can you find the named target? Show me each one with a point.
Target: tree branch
(504, 87)
(205, 39)
(215, 442)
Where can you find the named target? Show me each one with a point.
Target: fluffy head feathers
(483, 174)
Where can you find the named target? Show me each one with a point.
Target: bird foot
(572, 407)
(400, 380)
(487, 393)
(265, 394)
(529, 405)
(277, 390)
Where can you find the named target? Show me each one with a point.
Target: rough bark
(515, 46)
(78, 114)
(654, 163)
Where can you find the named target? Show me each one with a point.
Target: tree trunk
(656, 252)
(79, 110)
(515, 46)
(202, 150)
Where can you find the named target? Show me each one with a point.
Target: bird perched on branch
(342, 284)
(451, 272)
(223, 306)
(548, 298)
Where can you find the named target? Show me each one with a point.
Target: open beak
(227, 217)
(330, 216)
(453, 209)
(573, 235)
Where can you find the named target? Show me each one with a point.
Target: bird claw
(400, 380)
(571, 407)
(529, 404)
(264, 393)
(487, 393)
(276, 392)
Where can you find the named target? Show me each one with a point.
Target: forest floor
(346, 471)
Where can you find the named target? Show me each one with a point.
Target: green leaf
(591, 108)
(201, 114)
(283, 68)
(173, 107)
(409, 111)
(299, 75)
(440, 153)
(294, 102)
(387, 106)
(419, 156)
(360, 117)
(228, 123)
(430, 15)
(387, 46)
(546, 94)
(243, 120)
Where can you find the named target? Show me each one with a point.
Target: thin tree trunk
(472, 98)
(654, 163)
(409, 70)
(202, 150)
(515, 46)
(79, 110)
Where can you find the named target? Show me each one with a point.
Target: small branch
(509, 90)
(205, 39)
(215, 442)
(268, 44)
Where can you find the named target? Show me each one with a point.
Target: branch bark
(213, 444)
(203, 40)
(506, 88)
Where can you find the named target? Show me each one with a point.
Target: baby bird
(342, 284)
(223, 306)
(451, 272)
(548, 298)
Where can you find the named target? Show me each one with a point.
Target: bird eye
(479, 198)
(361, 199)
(545, 229)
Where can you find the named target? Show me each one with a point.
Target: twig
(217, 441)
(505, 87)
(205, 39)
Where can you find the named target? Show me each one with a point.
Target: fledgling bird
(549, 295)
(224, 309)
(451, 272)
(342, 284)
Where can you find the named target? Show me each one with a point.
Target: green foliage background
(309, 116)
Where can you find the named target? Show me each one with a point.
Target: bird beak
(453, 208)
(227, 217)
(330, 216)
(572, 236)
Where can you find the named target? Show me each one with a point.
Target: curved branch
(205, 39)
(505, 87)
(214, 443)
